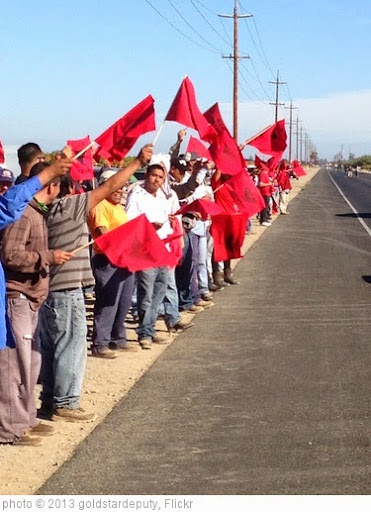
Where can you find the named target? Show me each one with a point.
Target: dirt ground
(24, 469)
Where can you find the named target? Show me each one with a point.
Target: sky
(72, 67)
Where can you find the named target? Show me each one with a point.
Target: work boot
(228, 277)
(218, 281)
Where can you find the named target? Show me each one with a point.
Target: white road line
(362, 222)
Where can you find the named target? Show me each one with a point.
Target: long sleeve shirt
(12, 205)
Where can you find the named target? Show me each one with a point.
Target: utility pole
(278, 83)
(235, 58)
(290, 132)
(301, 143)
(297, 138)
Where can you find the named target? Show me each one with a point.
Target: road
(269, 393)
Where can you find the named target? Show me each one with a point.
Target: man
(63, 322)
(28, 155)
(26, 259)
(265, 186)
(6, 180)
(113, 286)
(149, 199)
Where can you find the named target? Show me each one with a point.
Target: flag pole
(83, 150)
(158, 133)
(254, 137)
(82, 247)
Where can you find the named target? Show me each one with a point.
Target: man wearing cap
(63, 321)
(6, 180)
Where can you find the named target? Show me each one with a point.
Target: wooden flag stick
(82, 247)
(254, 136)
(83, 150)
(158, 134)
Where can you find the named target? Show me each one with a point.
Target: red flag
(224, 150)
(272, 141)
(184, 110)
(136, 246)
(203, 206)
(297, 168)
(273, 162)
(2, 155)
(195, 146)
(228, 232)
(260, 164)
(119, 138)
(245, 194)
(82, 168)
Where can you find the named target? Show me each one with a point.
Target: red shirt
(264, 178)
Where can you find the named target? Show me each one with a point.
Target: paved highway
(269, 393)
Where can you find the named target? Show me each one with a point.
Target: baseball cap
(179, 163)
(6, 175)
(106, 175)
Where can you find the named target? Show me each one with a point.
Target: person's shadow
(367, 279)
(355, 215)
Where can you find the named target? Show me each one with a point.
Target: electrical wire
(210, 25)
(192, 28)
(178, 30)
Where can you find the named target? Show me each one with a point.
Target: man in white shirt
(149, 199)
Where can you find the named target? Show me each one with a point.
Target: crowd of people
(47, 222)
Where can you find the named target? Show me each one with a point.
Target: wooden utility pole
(276, 103)
(290, 131)
(301, 143)
(297, 138)
(235, 58)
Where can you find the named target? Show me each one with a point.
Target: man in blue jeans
(63, 321)
(150, 199)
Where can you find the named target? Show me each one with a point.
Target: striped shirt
(66, 221)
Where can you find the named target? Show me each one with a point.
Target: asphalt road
(269, 393)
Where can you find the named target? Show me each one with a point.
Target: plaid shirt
(25, 256)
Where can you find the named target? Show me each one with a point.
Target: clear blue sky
(72, 67)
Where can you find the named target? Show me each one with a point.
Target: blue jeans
(170, 305)
(203, 277)
(113, 292)
(195, 291)
(183, 274)
(63, 348)
(152, 285)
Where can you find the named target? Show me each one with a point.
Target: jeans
(19, 371)
(264, 214)
(170, 305)
(63, 333)
(203, 281)
(152, 285)
(113, 292)
(183, 275)
(195, 241)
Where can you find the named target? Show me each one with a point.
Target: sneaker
(285, 213)
(42, 430)
(28, 440)
(145, 343)
(104, 353)
(215, 288)
(181, 325)
(160, 340)
(195, 309)
(265, 224)
(128, 347)
(205, 304)
(207, 296)
(67, 414)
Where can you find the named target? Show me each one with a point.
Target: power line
(178, 30)
(210, 25)
(192, 28)
(207, 8)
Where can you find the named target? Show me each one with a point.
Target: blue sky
(72, 67)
